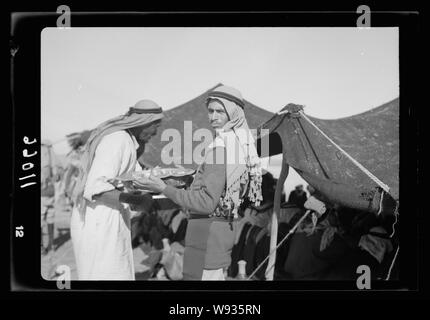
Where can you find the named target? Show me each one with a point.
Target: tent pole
(274, 227)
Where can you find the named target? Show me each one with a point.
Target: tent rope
(392, 264)
(359, 165)
(292, 230)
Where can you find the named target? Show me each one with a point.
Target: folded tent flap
(351, 156)
(333, 157)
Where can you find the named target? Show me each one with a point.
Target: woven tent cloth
(186, 119)
(371, 138)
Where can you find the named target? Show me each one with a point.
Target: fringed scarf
(243, 168)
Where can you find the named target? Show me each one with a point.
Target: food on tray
(162, 173)
(176, 177)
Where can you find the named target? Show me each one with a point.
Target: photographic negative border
(26, 31)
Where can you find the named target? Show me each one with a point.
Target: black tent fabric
(371, 138)
(185, 120)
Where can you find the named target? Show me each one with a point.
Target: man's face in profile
(217, 114)
(144, 133)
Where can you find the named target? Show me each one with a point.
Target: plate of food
(128, 186)
(177, 177)
(165, 173)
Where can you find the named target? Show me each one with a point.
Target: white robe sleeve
(138, 167)
(111, 154)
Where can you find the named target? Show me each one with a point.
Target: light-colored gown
(101, 235)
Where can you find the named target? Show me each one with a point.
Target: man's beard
(143, 139)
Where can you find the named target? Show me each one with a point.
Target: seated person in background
(268, 186)
(50, 175)
(298, 196)
(141, 224)
(253, 226)
(334, 246)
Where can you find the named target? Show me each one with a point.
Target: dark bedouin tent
(352, 161)
(181, 123)
(186, 120)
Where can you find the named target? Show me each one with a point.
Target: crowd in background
(330, 249)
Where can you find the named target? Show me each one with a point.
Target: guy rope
(359, 165)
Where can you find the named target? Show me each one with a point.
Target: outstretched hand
(153, 183)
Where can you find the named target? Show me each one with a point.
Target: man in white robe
(100, 225)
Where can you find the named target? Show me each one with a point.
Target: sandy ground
(63, 253)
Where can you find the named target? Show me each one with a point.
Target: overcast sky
(92, 74)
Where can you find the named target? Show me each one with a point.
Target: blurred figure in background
(71, 173)
(268, 187)
(298, 196)
(49, 174)
(77, 142)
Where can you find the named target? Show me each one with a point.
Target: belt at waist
(198, 216)
(206, 216)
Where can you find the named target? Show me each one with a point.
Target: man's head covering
(243, 163)
(228, 93)
(144, 112)
(145, 106)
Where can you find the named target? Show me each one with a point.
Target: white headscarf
(143, 113)
(243, 168)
